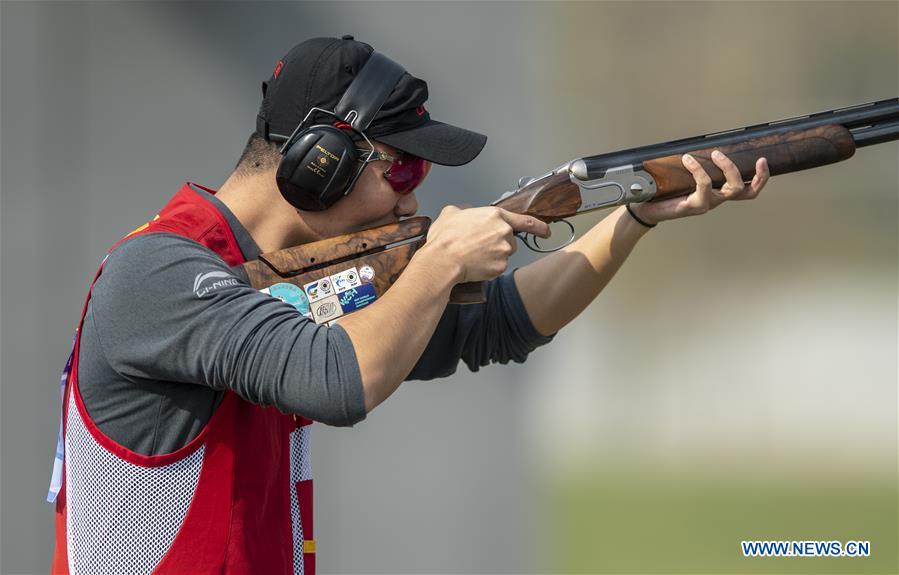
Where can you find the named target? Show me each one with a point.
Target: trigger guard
(534, 246)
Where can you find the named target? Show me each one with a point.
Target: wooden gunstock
(387, 250)
(550, 198)
(295, 260)
(790, 152)
(387, 264)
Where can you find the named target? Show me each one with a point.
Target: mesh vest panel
(300, 470)
(110, 501)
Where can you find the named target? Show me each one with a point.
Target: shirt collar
(245, 241)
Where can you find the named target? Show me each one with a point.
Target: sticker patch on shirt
(319, 289)
(345, 280)
(294, 295)
(326, 309)
(357, 297)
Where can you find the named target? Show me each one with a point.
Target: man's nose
(407, 205)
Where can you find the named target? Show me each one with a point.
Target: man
(190, 394)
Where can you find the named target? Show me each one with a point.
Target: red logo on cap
(420, 110)
(278, 68)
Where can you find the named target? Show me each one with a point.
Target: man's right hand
(390, 335)
(477, 242)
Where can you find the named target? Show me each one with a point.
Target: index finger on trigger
(525, 223)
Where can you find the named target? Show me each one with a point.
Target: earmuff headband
(369, 90)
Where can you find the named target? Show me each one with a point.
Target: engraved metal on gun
(617, 186)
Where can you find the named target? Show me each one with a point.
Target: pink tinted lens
(405, 173)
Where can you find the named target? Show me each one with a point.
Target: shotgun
(336, 276)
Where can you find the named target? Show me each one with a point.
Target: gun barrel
(876, 134)
(861, 116)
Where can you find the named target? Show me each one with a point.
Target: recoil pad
(316, 169)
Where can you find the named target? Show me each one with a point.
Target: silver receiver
(618, 186)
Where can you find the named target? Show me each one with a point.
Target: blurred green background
(737, 380)
(649, 521)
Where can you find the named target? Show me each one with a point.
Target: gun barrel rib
(876, 115)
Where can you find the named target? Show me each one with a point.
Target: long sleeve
(153, 322)
(496, 331)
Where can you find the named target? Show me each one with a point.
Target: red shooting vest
(236, 499)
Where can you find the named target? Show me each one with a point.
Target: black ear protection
(320, 164)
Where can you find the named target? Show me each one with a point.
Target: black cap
(317, 72)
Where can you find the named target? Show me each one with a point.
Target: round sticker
(291, 294)
(324, 286)
(367, 273)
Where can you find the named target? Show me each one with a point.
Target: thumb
(449, 210)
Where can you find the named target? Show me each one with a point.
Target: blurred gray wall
(108, 107)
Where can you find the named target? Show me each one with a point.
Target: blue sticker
(357, 297)
(291, 294)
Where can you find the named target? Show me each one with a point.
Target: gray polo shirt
(155, 359)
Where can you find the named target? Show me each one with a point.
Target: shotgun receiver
(331, 277)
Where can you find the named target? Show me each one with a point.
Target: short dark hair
(258, 155)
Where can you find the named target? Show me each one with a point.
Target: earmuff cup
(317, 168)
(320, 164)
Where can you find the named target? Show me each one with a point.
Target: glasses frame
(374, 155)
(378, 155)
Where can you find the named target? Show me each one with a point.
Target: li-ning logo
(202, 286)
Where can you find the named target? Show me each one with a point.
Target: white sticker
(326, 309)
(367, 273)
(345, 280)
(318, 289)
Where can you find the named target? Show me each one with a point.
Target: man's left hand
(704, 198)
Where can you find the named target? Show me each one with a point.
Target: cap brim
(437, 142)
